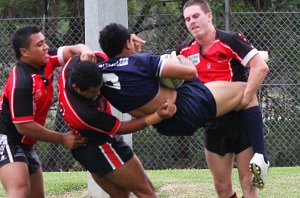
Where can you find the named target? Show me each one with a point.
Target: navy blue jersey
(135, 78)
(131, 82)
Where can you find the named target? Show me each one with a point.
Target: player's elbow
(192, 73)
(265, 69)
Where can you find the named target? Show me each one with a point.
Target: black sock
(252, 120)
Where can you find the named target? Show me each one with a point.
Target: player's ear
(76, 88)
(128, 44)
(24, 52)
(210, 16)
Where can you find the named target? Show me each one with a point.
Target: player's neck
(208, 39)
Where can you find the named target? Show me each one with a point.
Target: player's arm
(166, 110)
(184, 69)
(38, 132)
(258, 70)
(85, 52)
(251, 59)
(137, 42)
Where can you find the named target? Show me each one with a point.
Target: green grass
(283, 182)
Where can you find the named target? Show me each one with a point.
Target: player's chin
(45, 61)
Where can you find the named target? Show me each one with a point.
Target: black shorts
(226, 134)
(102, 158)
(11, 152)
(195, 106)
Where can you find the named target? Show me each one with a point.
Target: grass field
(283, 182)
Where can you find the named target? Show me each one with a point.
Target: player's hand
(186, 61)
(72, 141)
(88, 56)
(246, 99)
(166, 110)
(137, 42)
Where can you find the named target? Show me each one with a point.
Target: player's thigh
(37, 184)
(131, 176)
(227, 95)
(220, 166)
(15, 178)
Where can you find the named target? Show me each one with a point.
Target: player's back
(131, 83)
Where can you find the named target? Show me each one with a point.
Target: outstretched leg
(130, 177)
(228, 97)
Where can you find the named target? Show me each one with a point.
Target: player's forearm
(71, 50)
(138, 124)
(38, 132)
(257, 75)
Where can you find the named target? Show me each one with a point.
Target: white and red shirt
(27, 96)
(225, 59)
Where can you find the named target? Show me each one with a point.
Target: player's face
(92, 93)
(37, 52)
(196, 21)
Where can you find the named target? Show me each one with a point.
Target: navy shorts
(103, 157)
(195, 106)
(10, 152)
(226, 134)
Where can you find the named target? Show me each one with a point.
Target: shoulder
(185, 43)
(100, 56)
(22, 76)
(225, 36)
(229, 37)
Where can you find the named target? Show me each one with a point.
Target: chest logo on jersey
(221, 57)
(195, 58)
(38, 94)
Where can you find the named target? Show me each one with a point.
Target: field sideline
(284, 182)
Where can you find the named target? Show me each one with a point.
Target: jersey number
(111, 80)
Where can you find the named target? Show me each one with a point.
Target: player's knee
(145, 190)
(119, 193)
(223, 188)
(22, 191)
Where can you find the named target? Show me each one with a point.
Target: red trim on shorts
(111, 155)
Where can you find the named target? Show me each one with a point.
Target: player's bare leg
(132, 177)
(228, 96)
(15, 179)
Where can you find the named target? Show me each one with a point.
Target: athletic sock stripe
(111, 155)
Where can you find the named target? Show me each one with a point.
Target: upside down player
(220, 55)
(111, 162)
(131, 84)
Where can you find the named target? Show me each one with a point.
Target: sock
(252, 120)
(233, 196)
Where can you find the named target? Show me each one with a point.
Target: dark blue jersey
(131, 82)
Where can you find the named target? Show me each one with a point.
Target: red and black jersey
(225, 59)
(27, 96)
(91, 118)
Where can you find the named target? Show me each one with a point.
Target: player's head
(113, 38)
(30, 46)
(198, 18)
(202, 3)
(86, 79)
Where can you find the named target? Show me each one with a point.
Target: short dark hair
(113, 38)
(202, 3)
(86, 74)
(21, 38)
